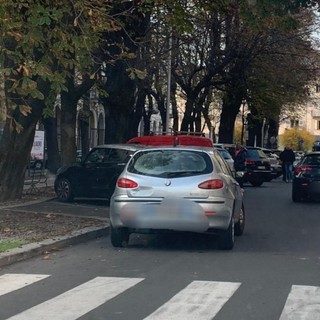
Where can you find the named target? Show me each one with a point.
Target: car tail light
(249, 162)
(126, 183)
(300, 169)
(211, 184)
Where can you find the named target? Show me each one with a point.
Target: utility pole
(169, 85)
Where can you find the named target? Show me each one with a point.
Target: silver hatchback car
(168, 189)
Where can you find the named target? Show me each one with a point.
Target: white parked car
(227, 156)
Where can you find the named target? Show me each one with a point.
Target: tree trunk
(50, 127)
(230, 108)
(68, 128)
(117, 125)
(187, 121)
(254, 128)
(15, 153)
(15, 149)
(227, 120)
(119, 103)
(69, 102)
(137, 114)
(16, 142)
(272, 141)
(174, 105)
(231, 103)
(84, 119)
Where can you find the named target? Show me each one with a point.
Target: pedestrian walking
(287, 158)
(240, 158)
(239, 162)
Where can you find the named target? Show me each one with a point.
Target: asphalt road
(272, 273)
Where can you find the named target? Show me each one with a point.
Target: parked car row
(177, 183)
(96, 174)
(276, 168)
(96, 177)
(180, 187)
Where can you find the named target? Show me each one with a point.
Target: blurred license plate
(261, 167)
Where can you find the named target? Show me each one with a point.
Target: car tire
(296, 196)
(239, 226)
(256, 183)
(119, 236)
(226, 238)
(63, 190)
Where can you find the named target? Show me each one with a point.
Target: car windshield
(225, 154)
(255, 153)
(170, 163)
(312, 160)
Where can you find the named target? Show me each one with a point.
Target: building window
(318, 124)
(294, 123)
(317, 87)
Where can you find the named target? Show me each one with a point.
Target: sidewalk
(44, 247)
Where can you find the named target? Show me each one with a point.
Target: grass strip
(11, 244)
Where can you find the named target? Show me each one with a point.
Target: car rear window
(170, 163)
(312, 160)
(108, 155)
(255, 154)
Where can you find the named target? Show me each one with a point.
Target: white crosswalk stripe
(303, 303)
(11, 282)
(79, 300)
(200, 300)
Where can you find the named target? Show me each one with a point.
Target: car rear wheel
(119, 236)
(64, 190)
(256, 183)
(226, 238)
(239, 226)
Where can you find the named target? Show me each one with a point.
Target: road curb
(22, 204)
(44, 247)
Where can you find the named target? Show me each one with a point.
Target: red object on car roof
(172, 140)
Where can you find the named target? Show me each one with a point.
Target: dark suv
(257, 168)
(96, 175)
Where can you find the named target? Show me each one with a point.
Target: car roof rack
(174, 139)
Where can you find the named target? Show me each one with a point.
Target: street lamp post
(169, 86)
(243, 122)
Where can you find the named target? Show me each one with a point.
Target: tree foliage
(299, 139)
(44, 46)
(250, 49)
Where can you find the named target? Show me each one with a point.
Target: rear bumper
(307, 188)
(182, 215)
(255, 175)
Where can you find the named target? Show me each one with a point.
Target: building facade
(308, 116)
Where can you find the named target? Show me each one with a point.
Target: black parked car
(306, 179)
(257, 168)
(96, 175)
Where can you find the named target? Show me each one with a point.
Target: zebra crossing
(201, 300)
